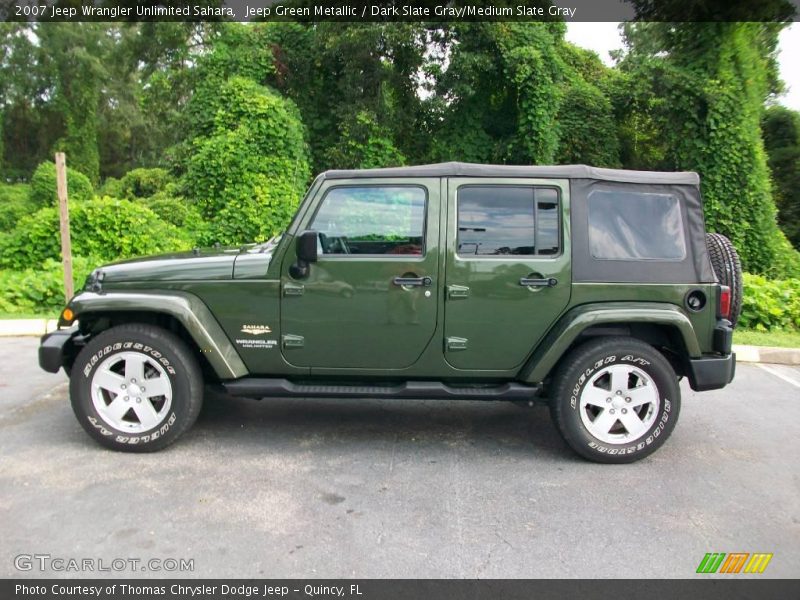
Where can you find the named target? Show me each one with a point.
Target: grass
(780, 339)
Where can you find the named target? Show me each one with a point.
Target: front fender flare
(187, 308)
(569, 327)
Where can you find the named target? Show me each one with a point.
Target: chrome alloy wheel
(131, 392)
(619, 404)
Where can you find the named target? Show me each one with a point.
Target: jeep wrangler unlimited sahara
(593, 290)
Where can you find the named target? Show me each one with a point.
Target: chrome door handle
(420, 281)
(528, 282)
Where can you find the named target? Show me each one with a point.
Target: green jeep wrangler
(593, 290)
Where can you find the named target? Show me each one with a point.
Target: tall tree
(781, 128)
(702, 88)
(71, 55)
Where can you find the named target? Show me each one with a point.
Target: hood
(209, 263)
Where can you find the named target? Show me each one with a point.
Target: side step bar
(255, 387)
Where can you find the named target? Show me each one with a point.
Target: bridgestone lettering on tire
(728, 269)
(615, 400)
(136, 388)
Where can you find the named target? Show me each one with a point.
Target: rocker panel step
(257, 387)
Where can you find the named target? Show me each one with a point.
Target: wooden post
(66, 245)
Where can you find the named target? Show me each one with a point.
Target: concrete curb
(767, 354)
(26, 327)
(745, 354)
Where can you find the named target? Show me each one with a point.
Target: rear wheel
(728, 269)
(136, 388)
(615, 400)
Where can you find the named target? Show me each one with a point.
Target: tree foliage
(219, 125)
(104, 228)
(518, 93)
(781, 128)
(44, 187)
(701, 94)
(248, 164)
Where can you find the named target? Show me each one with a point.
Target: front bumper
(56, 349)
(711, 373)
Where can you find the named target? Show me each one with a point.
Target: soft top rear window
(629, 225)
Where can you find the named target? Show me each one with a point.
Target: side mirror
(306, 250)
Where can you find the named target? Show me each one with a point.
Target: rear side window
(626, 225)
(496, 220)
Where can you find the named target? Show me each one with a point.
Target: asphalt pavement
(402, 489)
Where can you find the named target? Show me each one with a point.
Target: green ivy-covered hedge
(770, 304)
(44, 190)
(106, 228)
(40, 291)
(14, 204)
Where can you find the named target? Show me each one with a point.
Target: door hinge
(456, 343)
(293, 341)
(293, 289)
(455, 292)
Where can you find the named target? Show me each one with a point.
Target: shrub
(143, 183)
(177, 211)
(44, 192)
(106, 228)
(41, 289)
(770, 304)
(111, 187)
(14, 204)
(786, 264)
(248, 174)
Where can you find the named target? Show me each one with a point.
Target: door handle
(528, 282)
(419, 281)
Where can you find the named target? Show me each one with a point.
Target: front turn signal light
(67, 315)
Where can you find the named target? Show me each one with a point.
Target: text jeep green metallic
(591, 289)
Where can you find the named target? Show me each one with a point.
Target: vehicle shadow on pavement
(488, 426)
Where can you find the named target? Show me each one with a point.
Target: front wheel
(136, 388)
(615, 400)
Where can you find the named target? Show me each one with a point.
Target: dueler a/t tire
(136, 388)
(615, 399)
(728, 269)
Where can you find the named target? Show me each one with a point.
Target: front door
(370, 300)
(508, 269)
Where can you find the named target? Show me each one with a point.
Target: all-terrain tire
(615, 399)
(136, 388)
(728, 269)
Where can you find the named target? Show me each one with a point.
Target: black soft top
(459, 169)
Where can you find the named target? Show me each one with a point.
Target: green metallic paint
(186, 308)
(703, 322)
(569, 327)
(200, 266)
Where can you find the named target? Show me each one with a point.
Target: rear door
(508, 268)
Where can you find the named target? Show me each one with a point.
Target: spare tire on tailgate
(728, 269)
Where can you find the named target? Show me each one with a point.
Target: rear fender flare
(561, 337)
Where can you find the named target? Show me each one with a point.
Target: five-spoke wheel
(131, 392)
(615, 399)
(136, 387)
(619, 404)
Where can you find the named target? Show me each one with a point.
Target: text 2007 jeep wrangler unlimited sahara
(591, 289)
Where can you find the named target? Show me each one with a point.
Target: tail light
(724, 311)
